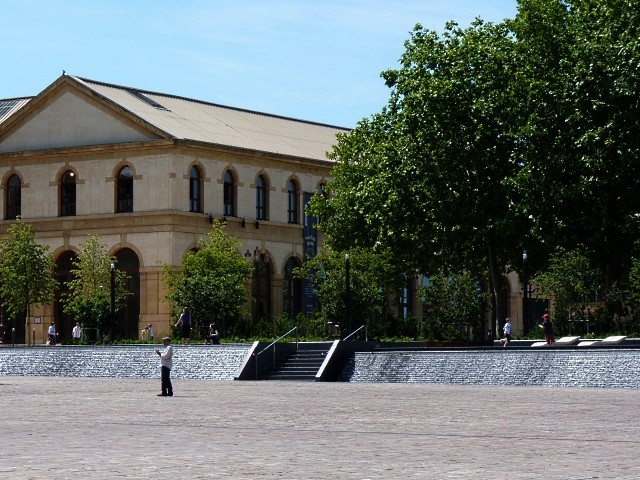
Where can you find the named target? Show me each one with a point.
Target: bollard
(13, 336)
(33, 337)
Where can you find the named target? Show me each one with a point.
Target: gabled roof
(181, 118)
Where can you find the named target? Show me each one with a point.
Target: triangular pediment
(68, 115)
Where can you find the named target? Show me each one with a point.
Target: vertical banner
(310, 246)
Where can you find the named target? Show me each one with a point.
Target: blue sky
(317, 60)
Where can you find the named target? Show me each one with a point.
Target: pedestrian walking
(507, 332)
(547, 328)
(76, 333)
(51, 334)
(185, 323)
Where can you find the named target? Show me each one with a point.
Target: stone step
(302, 365)
(297, 369)
(299, 378)
(303, 362)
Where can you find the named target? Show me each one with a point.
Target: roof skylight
(142, 97)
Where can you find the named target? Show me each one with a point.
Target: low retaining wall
(218, 362)
(602, 367)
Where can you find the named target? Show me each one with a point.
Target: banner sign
(310, 246)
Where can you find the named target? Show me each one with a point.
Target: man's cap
(546, 315)
(166, 338)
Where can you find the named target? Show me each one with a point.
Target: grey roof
(11, 105)
(188, 119)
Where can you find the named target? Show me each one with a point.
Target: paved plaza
(87, 428)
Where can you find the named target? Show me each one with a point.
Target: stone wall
(607, 368)
(600, 368)
(218, 362)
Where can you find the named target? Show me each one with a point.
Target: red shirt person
(547, 328)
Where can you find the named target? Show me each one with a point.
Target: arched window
(292, 202)
(64, 321)
(506, 294)
(229, 192)
(125, 190)
(322, 190)
(261, 286)
(406, 298)
(68, 194)
(127, 320)
(261, 198)
(426, 282)
(195, 190)
(14, 198)
(291, 290)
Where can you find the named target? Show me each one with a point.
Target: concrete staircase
(302, 365)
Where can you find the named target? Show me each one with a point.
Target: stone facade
(72, 127)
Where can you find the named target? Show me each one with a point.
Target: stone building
(147, 173)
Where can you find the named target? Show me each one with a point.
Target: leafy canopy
(370, 280)
(26, 270)
(88, 295)
(212, 280)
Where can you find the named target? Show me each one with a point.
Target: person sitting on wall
(214, 337)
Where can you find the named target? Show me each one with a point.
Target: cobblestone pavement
(87, 428)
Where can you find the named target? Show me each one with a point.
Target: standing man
(166, 362)
(507, 332)
(76, 333)
(185, 322)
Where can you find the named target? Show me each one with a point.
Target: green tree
(634, 287)
(373, 281)
(26, 271)
(88, 298)
(631, 301)
(212, 281)
(571, 282)
(454, 307)
(430, 177)
(501, 137)
(581, 140)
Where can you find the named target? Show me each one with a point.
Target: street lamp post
(113, 298)
(347, 296)
(525, 291)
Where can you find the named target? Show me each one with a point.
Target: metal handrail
(356, 331)
(274, 349)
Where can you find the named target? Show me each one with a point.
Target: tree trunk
(496, 290)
